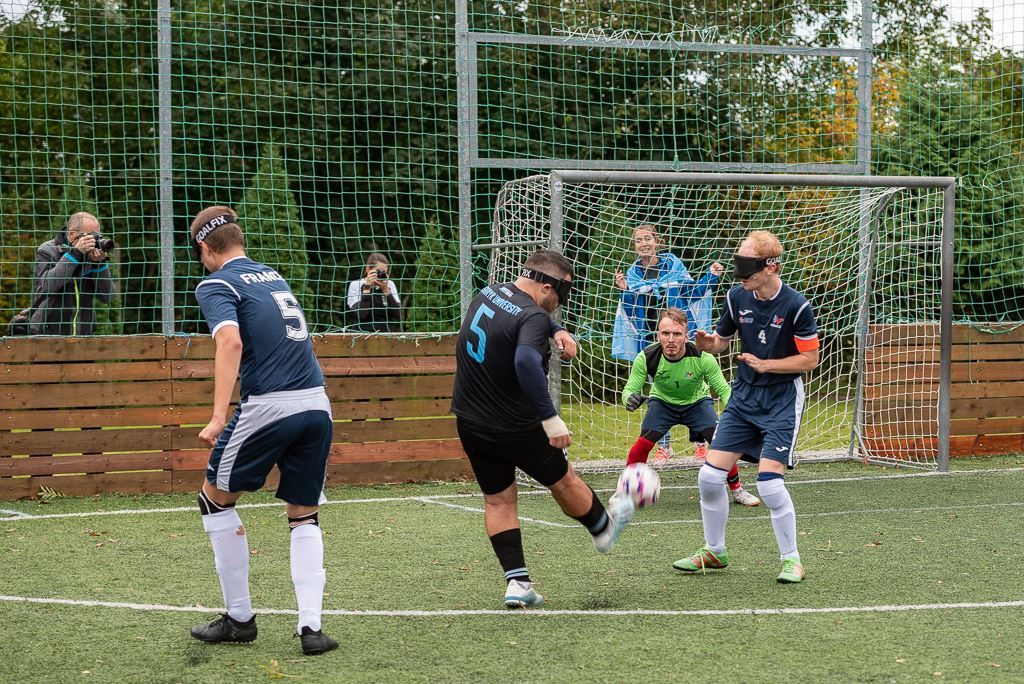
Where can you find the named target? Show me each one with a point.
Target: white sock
(775, 495)
(231, 557)
(714, 505)
(308, 574)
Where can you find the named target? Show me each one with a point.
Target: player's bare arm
(227, 360)
(710, 342)
(566, 345)
(798, 363)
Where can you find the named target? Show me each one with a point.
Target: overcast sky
(1007, 17)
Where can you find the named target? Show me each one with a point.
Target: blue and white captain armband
(554, 427)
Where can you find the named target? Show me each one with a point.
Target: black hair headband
(562, 287)
(210, 226)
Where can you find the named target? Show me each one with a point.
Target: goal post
(873, 255)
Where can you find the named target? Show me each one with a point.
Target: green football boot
(792, 571)
(702, 558)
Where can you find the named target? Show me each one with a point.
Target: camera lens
(105, 244)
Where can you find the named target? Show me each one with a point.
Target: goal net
(869, 260)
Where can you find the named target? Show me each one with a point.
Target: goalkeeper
(680, 375)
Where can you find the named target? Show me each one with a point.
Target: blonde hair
(676, 315)
(764, 243)
(650, 228)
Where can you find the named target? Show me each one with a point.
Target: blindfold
(745, 266)
(562, 287)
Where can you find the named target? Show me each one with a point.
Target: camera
(381, 274)
(102, 243)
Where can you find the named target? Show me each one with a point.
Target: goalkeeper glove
(635, 401)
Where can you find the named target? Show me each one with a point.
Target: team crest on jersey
(777, 321)
(689, 374)
(507, 292)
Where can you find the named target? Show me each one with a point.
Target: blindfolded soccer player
(779, 340)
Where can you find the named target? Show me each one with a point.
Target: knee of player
(712, 475)
(306, 518)
(219, 517)
(771, 485)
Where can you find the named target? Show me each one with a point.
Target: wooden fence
(121, 414)
(986, 397)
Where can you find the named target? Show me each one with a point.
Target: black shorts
(495, 456)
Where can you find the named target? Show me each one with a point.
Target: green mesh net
(338, 130)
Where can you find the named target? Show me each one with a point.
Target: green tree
(272, 225)
(950, 127)
(434, 290)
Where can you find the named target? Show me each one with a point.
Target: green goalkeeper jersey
(680, 382)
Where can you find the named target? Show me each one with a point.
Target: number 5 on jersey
(290, 311)
(481, 334)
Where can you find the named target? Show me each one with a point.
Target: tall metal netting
(328, 126)
(339, 130)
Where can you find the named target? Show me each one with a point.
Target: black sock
(508, 547)
(596, 519)
(733, 480)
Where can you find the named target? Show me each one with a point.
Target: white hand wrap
(554, 427)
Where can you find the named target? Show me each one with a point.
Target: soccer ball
(641, 483)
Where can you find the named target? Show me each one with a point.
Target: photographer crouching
(72, 272)
(374, 299)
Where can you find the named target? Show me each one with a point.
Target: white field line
(22, 516)
(542, 612)
(858, 511)
(428, 500)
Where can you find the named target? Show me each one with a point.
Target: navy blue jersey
(486, 391)
(276, 352)
(775, 328)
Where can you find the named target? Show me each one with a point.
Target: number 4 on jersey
(761, 337)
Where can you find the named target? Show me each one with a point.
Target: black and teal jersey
(487, 391)
(775, 328)
(277, 354)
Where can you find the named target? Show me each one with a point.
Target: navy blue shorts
(291, 430)
(495, 456)
(762, 421)
(661, 416)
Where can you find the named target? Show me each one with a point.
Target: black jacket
(67, 289)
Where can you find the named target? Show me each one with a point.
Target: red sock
(734, 478)
(640, 451)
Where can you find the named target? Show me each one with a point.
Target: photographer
(374, 299)
(72, 272)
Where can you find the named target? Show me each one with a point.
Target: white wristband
(554, 427)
